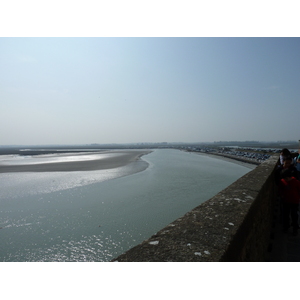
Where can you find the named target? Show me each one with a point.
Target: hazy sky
(127, 90)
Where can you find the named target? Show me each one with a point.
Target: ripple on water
(88, 249)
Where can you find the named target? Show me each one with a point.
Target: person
(289, 190)
(287, 164)
(298, 164)
(284, 154)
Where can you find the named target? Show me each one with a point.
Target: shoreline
(112, 159)
(110, 162)
(240, 161)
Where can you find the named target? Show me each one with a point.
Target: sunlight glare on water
(52, 158)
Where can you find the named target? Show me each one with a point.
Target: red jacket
(290, 190)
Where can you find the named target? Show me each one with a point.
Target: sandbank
(109, 161)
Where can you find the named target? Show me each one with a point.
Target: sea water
(98, 215)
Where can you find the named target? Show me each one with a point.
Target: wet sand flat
(110, 160)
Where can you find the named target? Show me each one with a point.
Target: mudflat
(110, 160)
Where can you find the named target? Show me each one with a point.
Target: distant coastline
(231, 158)
(112, 158)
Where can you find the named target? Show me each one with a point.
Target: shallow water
(94, 216)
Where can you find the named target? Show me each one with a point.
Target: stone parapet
(234, 225)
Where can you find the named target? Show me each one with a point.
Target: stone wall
(234, 225)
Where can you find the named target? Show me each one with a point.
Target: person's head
(285, 152)
(287, 162)
(286, 174)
